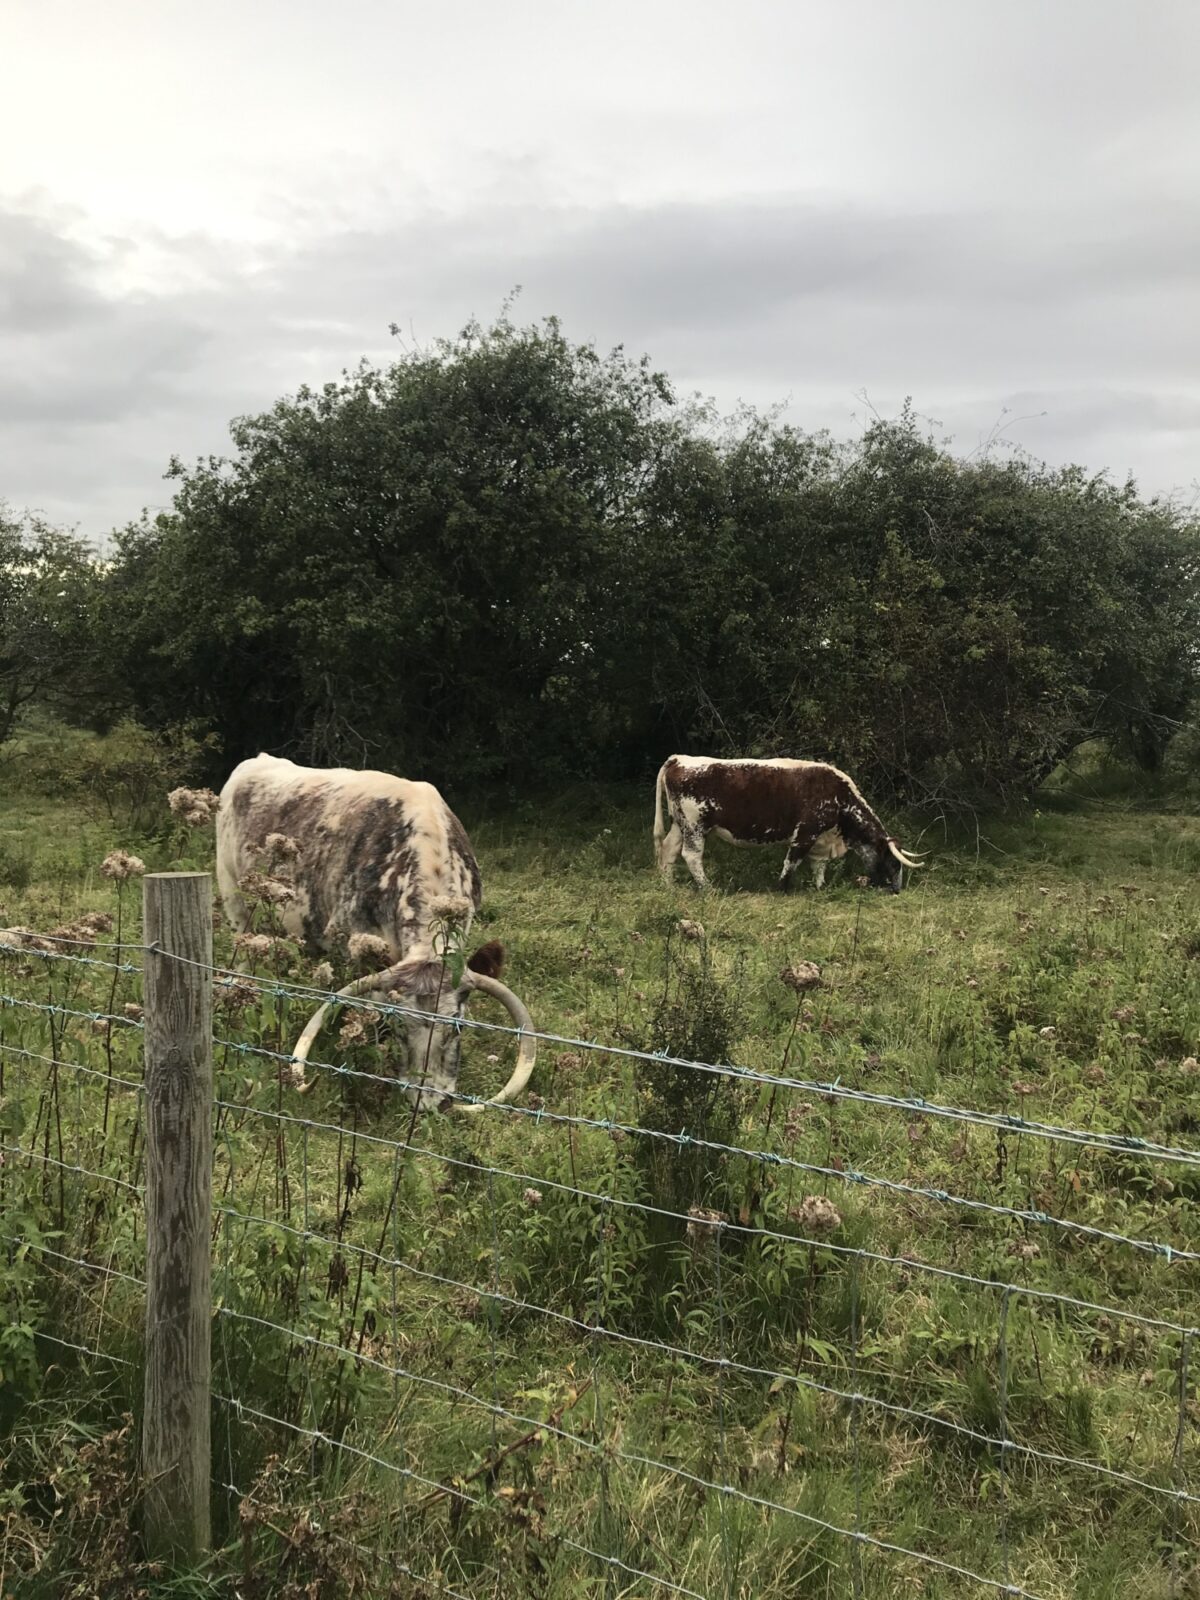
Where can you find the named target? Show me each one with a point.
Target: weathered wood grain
(176, 1452)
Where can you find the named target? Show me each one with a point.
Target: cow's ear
(488, 959)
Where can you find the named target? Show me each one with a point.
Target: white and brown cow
(375, 855)
(817, 811)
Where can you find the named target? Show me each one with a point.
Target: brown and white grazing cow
(812, 807)
(372, 855)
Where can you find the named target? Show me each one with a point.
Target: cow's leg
(693, 857)
(802, 842)
(668, 851)
(818, 872)
(237, 913)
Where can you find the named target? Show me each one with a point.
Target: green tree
(429, 563)
(50, 587)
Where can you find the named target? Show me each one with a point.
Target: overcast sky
(994, 209)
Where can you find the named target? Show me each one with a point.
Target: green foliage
(51, 650)
(698, 1016)
(120, 778)
(508, 558)
(507, 1266)
(430, 561)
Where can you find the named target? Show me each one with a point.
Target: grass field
(1050, 969)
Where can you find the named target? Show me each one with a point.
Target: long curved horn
(905, 859)
(526, 1050)
(373, 980)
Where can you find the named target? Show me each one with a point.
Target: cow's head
(886, 864)
(432, 1005)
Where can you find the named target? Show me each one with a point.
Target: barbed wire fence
(389, 1347)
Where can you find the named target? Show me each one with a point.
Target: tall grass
(1049, 967)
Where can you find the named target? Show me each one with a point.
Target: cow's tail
(660, 823)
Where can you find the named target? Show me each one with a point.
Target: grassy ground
(1050, 969)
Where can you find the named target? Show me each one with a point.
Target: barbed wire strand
(376, 1556)
(1115, 1143)
(240, 1407)
(848, 1176)
(904, 1263)
(722, 1364)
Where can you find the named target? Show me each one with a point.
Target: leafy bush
(699, 1017)
(512, 559)
(121, 778)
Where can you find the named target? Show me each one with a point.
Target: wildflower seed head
(1023, 1249)
(703, 1225)
(368, 947)
(120, 865)
(197, 807)
(801, 975)
(816, 1215)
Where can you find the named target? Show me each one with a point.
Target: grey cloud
(1087, 314)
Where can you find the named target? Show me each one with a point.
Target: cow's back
(753, 801)
(375, 851)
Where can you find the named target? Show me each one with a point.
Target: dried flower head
(231, 996)
(1094, 1075)
(120, 865)
(353, 1031)
(703, 1225)
(254, 944)
(532, 1198)
(1124, 1014)
(1048, 1033)
(817, 1215)
(368, 947)
(97, 921)
(450, 908)
(794, 1120)
(801, 975)
(280, 847)
(21, 938)
(197, 807)
(1023, 1249)
(1025, 1088)
(132, 1011)
(73, 933)
(322, 975)
(261, 886)
(690, 930)
(1189, 1066)
(569, 1061)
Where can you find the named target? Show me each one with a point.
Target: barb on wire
(49, 1008)
(71, 1066)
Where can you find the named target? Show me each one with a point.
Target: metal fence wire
(524, 1339)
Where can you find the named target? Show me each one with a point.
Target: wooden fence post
(176, 1450)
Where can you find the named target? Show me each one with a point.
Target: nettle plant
(699, 1017)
